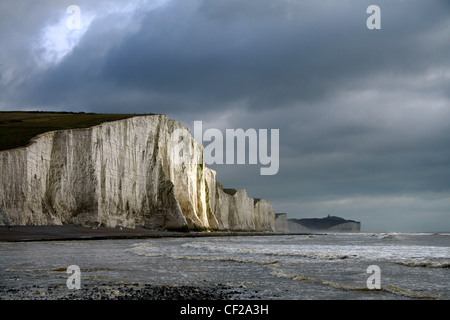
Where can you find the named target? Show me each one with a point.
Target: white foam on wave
(231, 259)
(273, 251)
(330, 252)
(145, 249)
(355, 249)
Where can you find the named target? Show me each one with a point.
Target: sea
(380, 266)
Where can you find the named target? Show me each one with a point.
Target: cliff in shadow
(329, 224)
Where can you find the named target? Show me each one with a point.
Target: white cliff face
(264, 215)
(146, 170)
(281, 223)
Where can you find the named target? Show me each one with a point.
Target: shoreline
(76, 232)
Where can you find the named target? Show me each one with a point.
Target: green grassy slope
(17, 128)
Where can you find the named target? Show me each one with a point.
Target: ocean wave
(211, 247)
(407, 293)
(142, 249)
(20, 269)
(312, 255)
(335, 285)
(384, 236)
(56, 269)
(391, 289)
(425, 264)
(232, 259)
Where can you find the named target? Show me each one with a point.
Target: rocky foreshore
(126, 291)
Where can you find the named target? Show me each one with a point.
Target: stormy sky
(363, 115)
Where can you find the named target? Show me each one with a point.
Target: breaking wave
(312, 255)
(384, 236)
(142, 250)
(335, 285)
(407, 293)
(232, 259)
(425, 264)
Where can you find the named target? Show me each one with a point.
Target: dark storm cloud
(267, 53)
(362, 113)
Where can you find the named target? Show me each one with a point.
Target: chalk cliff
(281, 222)
(145, 170)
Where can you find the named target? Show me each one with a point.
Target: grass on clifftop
(17, 128)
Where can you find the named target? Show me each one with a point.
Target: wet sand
(73, 232)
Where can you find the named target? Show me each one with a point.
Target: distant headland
(329, 223)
